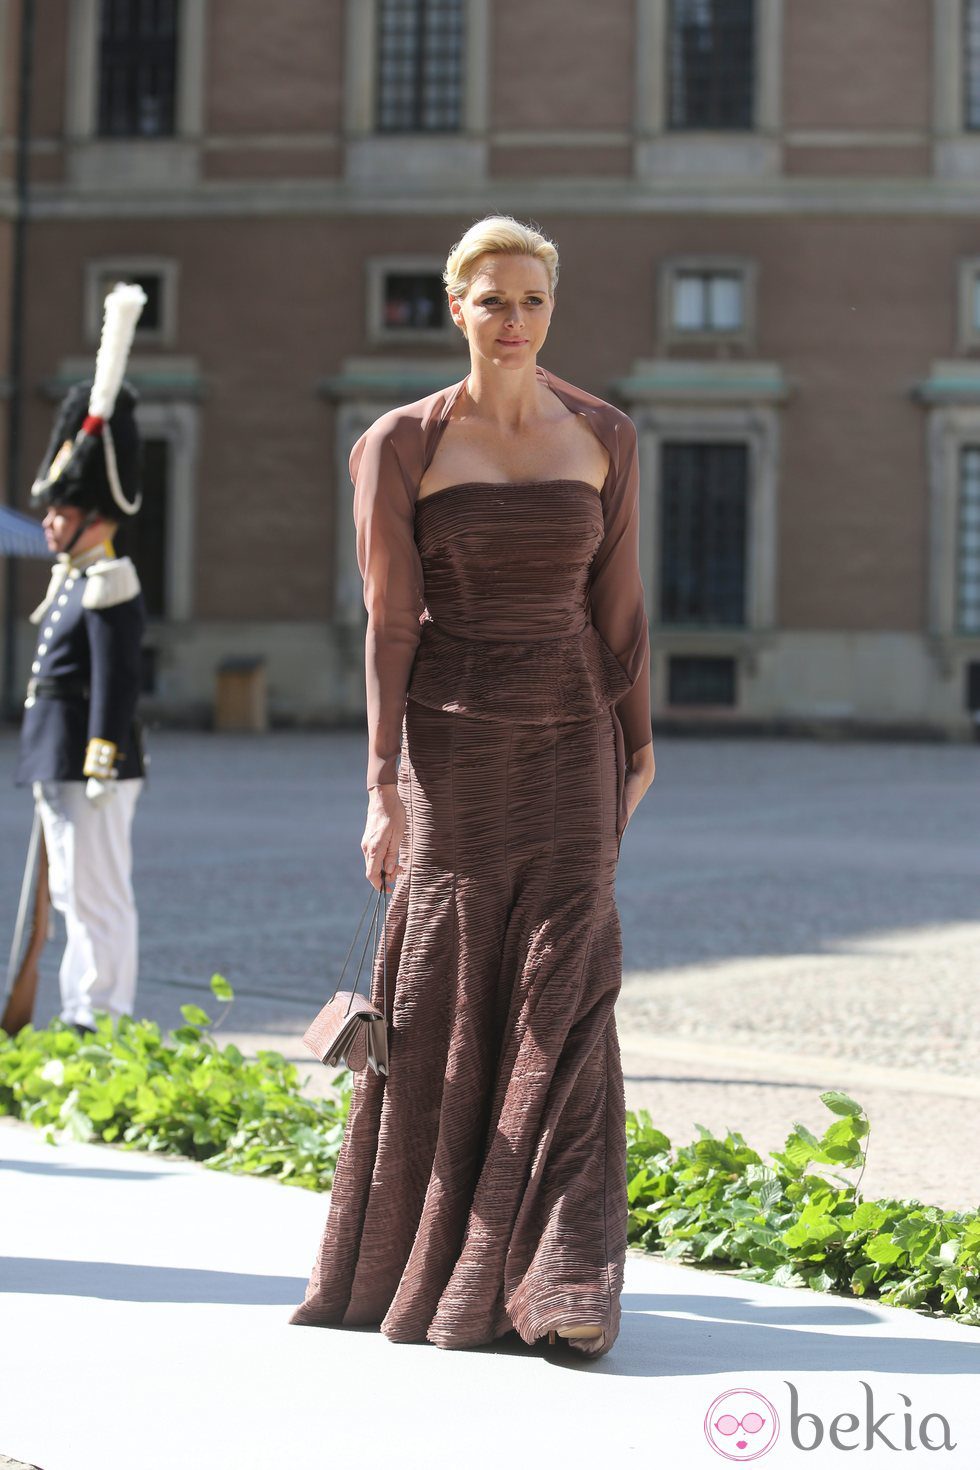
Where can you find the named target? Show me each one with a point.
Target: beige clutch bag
(350, 1030)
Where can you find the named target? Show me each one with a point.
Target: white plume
(123, 306)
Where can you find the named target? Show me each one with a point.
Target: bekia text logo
(742, 1425)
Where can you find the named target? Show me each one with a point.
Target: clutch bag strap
(377, 928)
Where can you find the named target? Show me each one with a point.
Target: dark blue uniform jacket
(85, 678)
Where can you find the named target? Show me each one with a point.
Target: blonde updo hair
(498, 234)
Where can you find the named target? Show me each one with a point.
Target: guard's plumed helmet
(93, 459)
(74, 470)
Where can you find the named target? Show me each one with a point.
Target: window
(420, 66)
(157, 324)
(711, 60)
(704, 528)
(971, 65)
(968, 542)
(151, 317)
(694, 680)
(972, 690)
(414, 303)
(407, 301)
(137, 68)
(707, 301)
(969, 304)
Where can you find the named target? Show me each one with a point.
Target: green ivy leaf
(882, 1248)
(194, 1016)
(839, 1102)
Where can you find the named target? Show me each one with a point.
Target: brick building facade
(769, 219)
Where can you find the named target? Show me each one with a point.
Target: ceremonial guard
(80, 746)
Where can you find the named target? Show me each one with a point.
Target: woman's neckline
(506, 485)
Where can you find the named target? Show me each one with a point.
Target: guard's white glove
(99, 792)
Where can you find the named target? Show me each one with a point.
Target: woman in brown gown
(481, 1186)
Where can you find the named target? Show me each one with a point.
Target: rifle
(22, 971)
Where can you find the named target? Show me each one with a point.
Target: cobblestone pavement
(796, 916)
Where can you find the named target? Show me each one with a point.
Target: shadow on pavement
(655, 1346)
(112, 1281)
(72, 1171)
(720, 1081)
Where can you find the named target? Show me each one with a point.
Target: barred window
(968, 543)
(711, 53)
(696, 680)
(137, 68)
(704, 523)
(420, 66)
(971, 65)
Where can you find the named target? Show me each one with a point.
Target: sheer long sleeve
(616, 590)
(384, 515)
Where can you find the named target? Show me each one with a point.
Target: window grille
(704, 523)
(971, 690)
(137, 68)
(708, 301)
(694, 680)
(420, 66)
(711, 60)
(968, 543)
(971, 65)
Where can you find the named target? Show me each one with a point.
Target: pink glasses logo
(741, 1425)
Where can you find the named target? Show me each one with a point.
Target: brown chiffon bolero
(387, 465)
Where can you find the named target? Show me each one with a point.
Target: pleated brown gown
(481, 1187)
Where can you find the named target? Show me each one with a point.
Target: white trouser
(90, 864)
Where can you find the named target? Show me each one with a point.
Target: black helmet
(99, 470)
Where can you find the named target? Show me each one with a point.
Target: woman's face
(506, 312)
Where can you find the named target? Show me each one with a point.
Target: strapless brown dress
(481, 1187)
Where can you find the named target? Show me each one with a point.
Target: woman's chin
(512, 358)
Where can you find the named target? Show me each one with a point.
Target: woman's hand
(639, 778)
(383, 834)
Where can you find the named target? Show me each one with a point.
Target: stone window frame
(661, 152)
(436, 42)
(118, 163)
(956, 150)
(125, 267)
(671, 336)
(971, 630)
(377, 268)
(377, 159)
(360, 74)
(179, 424)
(968, 316)
(952, 428)
(758, 426)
